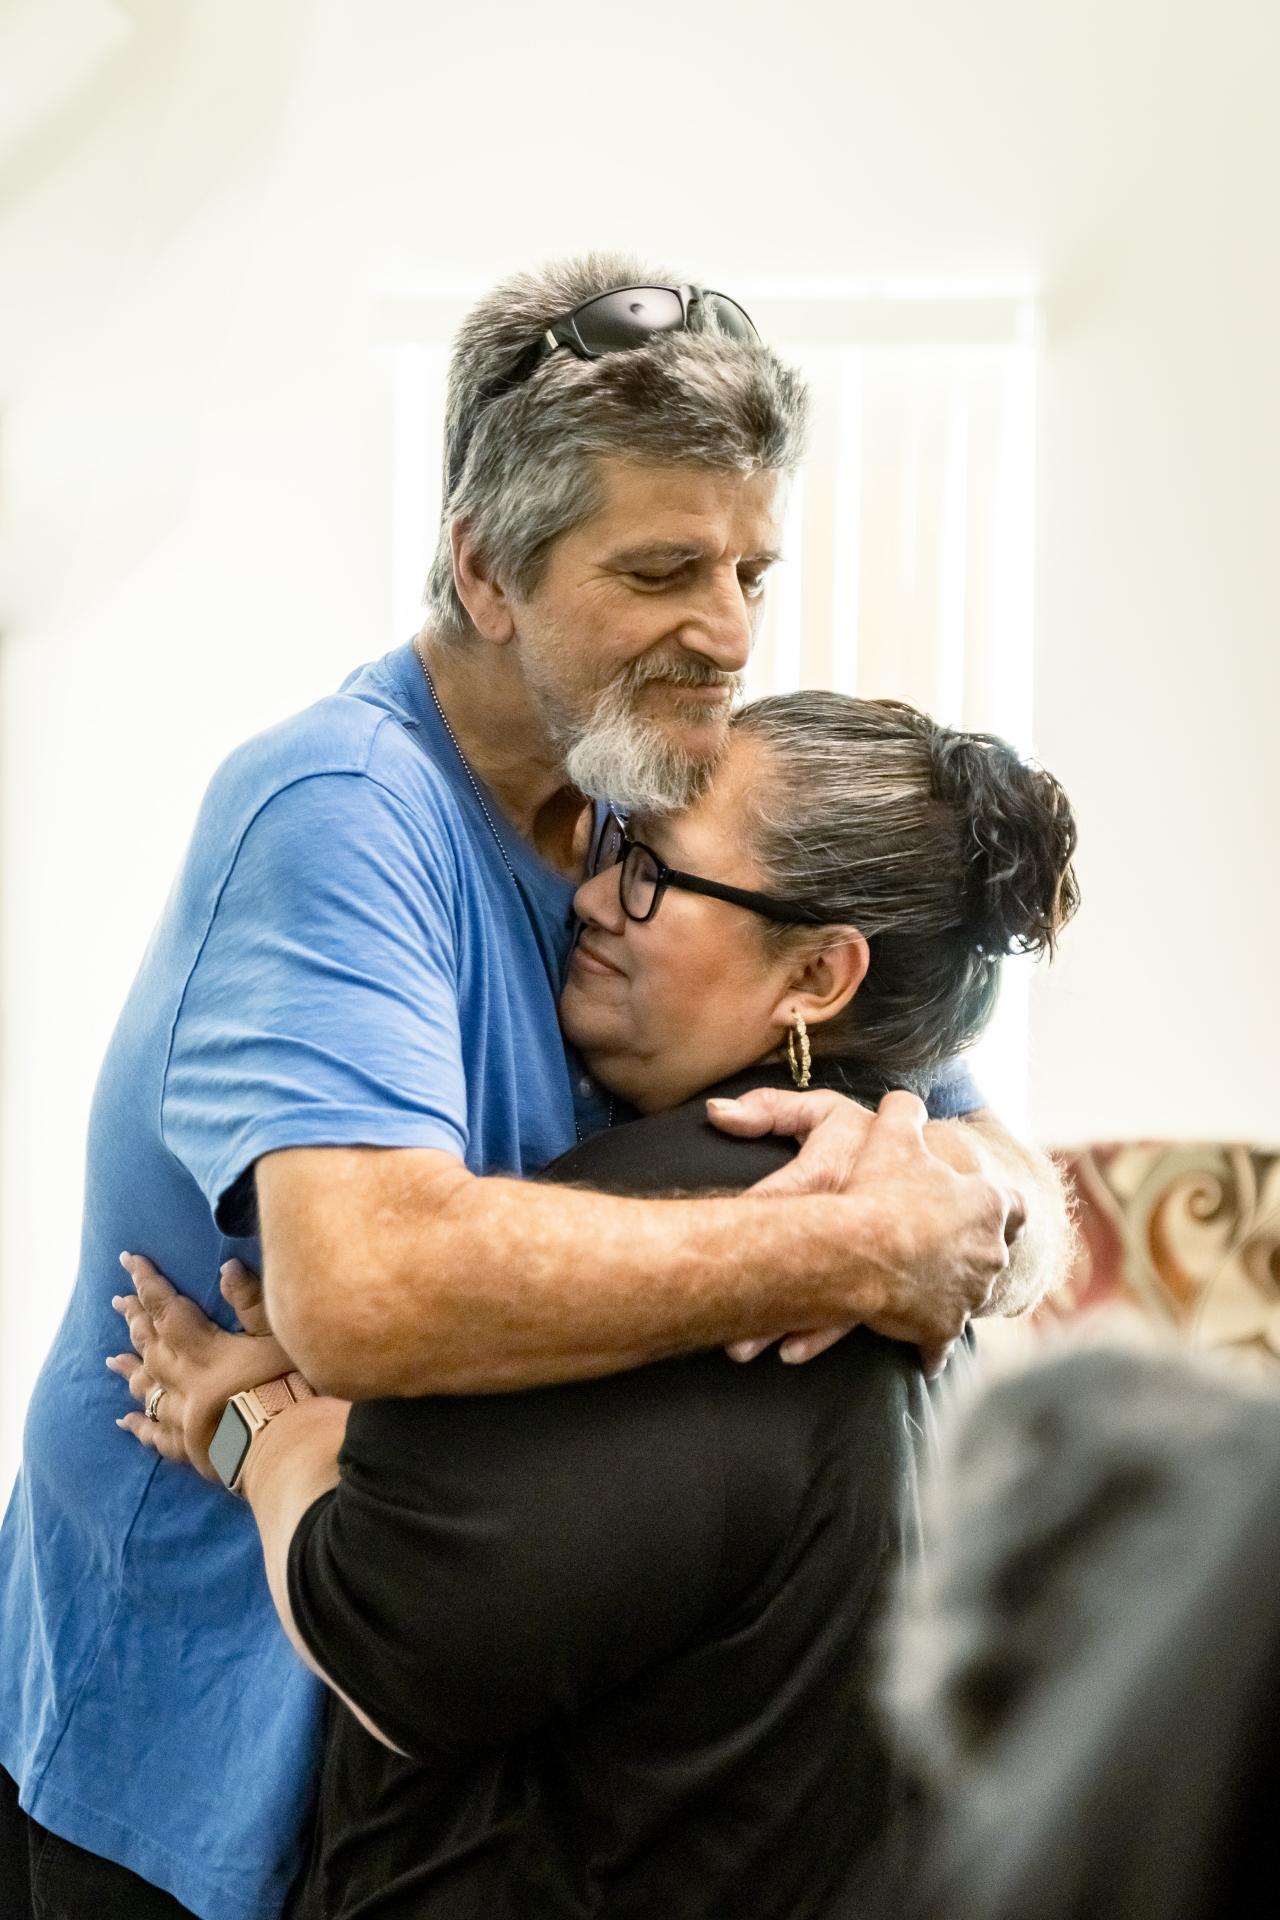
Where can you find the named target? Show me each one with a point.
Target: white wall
(199, 230)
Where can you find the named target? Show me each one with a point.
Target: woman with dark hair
(912, 859)
(605, 1648)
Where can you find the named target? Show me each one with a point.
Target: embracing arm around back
(835, 1132)
(397, 1272)
(1040, 1256)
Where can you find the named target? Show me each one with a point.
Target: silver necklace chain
(475, 784)
(480, 799)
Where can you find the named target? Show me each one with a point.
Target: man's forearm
(1041, 1256)
(513, 1284)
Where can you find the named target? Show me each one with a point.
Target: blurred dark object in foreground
(1087, 1671)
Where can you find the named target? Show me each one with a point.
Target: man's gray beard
(620, 756)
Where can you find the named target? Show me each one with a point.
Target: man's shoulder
(337, 734)
(360, 734)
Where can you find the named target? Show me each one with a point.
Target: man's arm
(1040, 1256)
(395, 1271)
(834, 1131)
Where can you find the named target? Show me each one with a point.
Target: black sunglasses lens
(729, 317)
(639, 882)
(627, 317)
(611, 845)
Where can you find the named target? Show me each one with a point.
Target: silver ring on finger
(154, 1398)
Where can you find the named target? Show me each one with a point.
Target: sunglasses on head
(614, 322)
(645, 878)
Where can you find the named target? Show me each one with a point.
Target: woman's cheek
(657, 1010)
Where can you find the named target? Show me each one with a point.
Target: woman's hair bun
(1021, 831)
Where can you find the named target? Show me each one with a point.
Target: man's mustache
(680, 673)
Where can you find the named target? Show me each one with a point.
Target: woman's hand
(179, 1349)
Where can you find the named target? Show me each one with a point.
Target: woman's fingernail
(791, 1351)
(126, 1261)
(722, 1103)
(119, 1423)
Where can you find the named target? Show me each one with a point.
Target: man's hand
(199, 1366)
(831, 1128)
(947, 1224)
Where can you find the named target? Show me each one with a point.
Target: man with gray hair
(341, 1051)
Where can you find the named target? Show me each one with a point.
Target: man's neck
(505, 743)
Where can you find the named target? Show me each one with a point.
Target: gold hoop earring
(798, 1035)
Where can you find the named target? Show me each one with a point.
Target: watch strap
(273, 1396)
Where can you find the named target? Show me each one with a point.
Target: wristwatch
(246, 1414)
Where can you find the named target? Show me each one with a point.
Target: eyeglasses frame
(768, 905)
(563, 332)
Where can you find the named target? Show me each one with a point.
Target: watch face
(230, 1444)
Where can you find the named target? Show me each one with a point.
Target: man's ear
(486, 601)
(822, 985)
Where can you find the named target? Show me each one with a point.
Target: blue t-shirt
(346, 958)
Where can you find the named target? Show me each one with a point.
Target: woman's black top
(624, 1627)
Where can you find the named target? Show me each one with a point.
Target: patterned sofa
(1185, 1235)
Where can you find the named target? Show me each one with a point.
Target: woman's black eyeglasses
(613, 322)
(645, 878)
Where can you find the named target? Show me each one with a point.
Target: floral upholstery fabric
(1188, 1234)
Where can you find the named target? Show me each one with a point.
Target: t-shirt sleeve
(953, 1092)
(322, 1009)
(490, 1562)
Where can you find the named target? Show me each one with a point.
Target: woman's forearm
(291, 1462)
